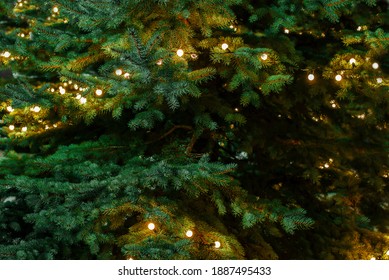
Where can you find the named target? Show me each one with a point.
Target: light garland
(11, 127)
(151, 226)
(119, 72)
(375, 65)
(24, 128)
(311, 77)
(338, 77)
(217, 244)
(99, 92)
(180, 52)
(189, 233)
(264, 56)
(224, 46)
(10, 109)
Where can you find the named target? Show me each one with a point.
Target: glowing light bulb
(189, 233)
(193, 56)
(24, 128)
(375, 65)
(373, 259)
(359, 28)
(217, 244)
(6, 54)
(55, 9)
(10, 109)
(286, 31)
(78, 96)
(236, 109)
(379, 80)
(326, 165)
(151, 226)
(352, 61)
(311, 77)
(264, 56)
(126, 75)
(180, 52)
(62, 90)
(11, 127)
(119, 72)
(159, 62)
(52, 90)
(338, 77)
(36, 109)
(224, 46)
(99, 92)
(130, 259)
(83, 100)
(387, 253)
(231, 26)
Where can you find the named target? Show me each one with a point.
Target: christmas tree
(157, 129)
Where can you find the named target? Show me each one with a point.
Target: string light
(11, 127)
(119, 72)
(352, 61)
(180, 52)
(387, 253)
(126, 75)
(36, 109)
(286, 31)
(78, 96)
(359, 28)
(52, 90)
(311, 77)
(217, 244)
(326, 165)
(55, 9)
(24, 128)
(224, 46)
(151, 226)
(375, 65)
(99, 92)
(373, 259)
(10, 109)
(264, 56)
(75, 86)
(189, 233)
(62, 90)
(83, 100)
(159, 62)
(379, 80)
(193, 56)
(338, 77)
(6, 54)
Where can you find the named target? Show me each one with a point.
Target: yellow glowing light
(118, 72)
(286, 31)
(36, 109)
(353, 61)
(52, 90)
(78, 96)
(10, 109)
(55, 9)
(326, 165)
(75, 86)
(379, 80)
(311, 77)
(83, 100)
(62, 90)
(151, 226)
(6, 54)
(224, 46)
(375, 65)
(126, 75)
(159, 62)
(217, 244)
(189, 233)
(99, 92)
(338, 77)
(236, 109)
(24, 128)
(180, 52)
(11, 127)
(264, 56)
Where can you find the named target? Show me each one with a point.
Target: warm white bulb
(24, 128)
(36, 109)
(189, 233)
(375, 65)
(286, 31)
(180, 52)
(99, 92)
(159, 62)
(387, 253)
(264, 56)
(118, 72)
(11, 127)
(217, 244)
(151, 226)
(379, 80)
(338, 77)
(78, 96)
(126, 75)
(359, 28)
(83, 100)
(311, 77)
(326, 165)
(373, 259)
(224, 46)
(352, 61)
(10, 109)
(62, 90)
(55, 9)
(6, 54)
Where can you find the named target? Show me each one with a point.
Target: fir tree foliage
(194, 115)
